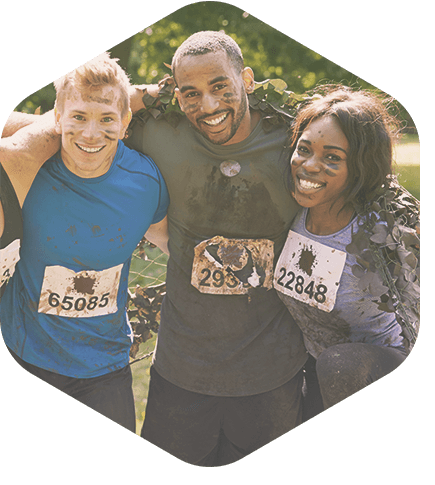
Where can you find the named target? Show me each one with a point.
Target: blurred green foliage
(267, 51)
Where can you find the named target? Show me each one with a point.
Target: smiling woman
(320, 174)
(341, 161)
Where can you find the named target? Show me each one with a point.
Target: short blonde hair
(97, 73)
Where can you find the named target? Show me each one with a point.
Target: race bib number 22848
(83, 294)
(309, 271)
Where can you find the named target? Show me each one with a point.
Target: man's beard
(234, 126)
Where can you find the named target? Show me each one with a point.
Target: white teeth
(306, 184)
(89, 150)
(216, 121)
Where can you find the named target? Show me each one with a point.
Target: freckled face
(212, 95)
(91, 123)
(319, 164)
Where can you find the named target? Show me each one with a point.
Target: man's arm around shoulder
(23, 153)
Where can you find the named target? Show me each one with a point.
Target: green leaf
(372, 283)
(376, 288)
(278, 84)
(380, 234)
(389, 241)
(154, 112)
(386, 306)
(365, 280)
(409, 236)
(357, 270)
(167, 98)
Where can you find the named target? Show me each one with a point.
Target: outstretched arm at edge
(16, 121)
(23, 153)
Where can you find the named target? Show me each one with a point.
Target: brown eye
(333, 158)
(302, 150)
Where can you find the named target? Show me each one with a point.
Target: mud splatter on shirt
(354, 318)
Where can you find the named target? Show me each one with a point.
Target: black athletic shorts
(213, 430)
(110, 394)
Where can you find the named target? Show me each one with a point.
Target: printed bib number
(309, 271)
(79, 295)
(232, 266)
(9, 256)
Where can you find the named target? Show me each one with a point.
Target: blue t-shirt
(314, 279)
(64, 309)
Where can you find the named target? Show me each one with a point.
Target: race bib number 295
(232, 266)
(83, 294)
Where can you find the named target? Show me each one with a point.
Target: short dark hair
(369, 128)
(208, 41)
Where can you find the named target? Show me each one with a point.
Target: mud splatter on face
(331, 168)
(110, 135)
(93, 96)
(228, 97)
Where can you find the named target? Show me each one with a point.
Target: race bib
(9, 257)
(232, 266)
(79, 295)
(309, 271)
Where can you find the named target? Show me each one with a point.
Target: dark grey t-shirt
(223, 329)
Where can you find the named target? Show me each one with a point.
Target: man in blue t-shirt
(63, 314)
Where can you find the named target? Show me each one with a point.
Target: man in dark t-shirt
(226, 377)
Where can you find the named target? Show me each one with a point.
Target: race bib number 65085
(82, 294)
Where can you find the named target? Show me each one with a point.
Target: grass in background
(145, 272)
(407, 166)
(141, 379)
